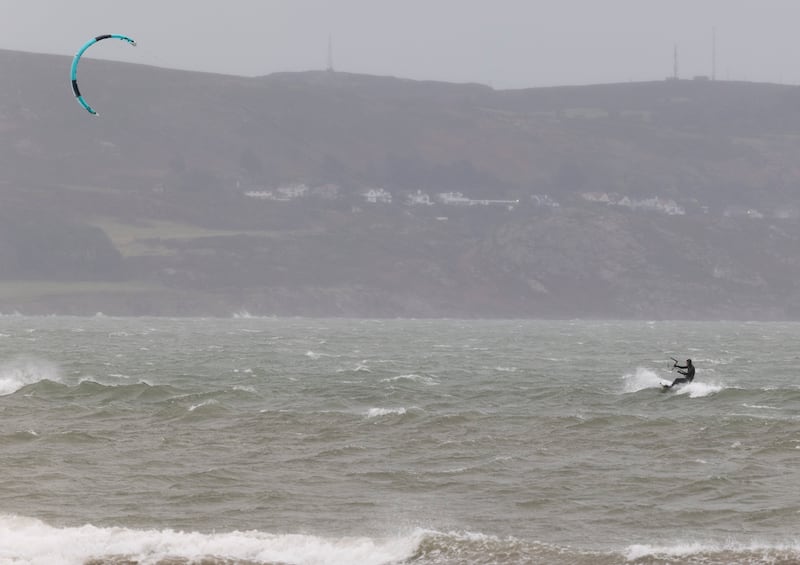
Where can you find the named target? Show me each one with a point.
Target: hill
(332, 194)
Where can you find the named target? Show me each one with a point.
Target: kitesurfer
(688, 373)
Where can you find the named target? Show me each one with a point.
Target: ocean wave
(32, 541)
(413, 377)
(359, 368)
(28, 540)
(378, 412)
(714, 553)
(92, 391)
(23, 372)
(699, 389)
(21, 436)
(14, 314)
(467, 548)
(317, 355)
(142, 391)
(207, 402)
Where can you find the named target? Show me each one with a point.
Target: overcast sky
(502, 43)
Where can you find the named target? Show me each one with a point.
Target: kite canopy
(74, 69)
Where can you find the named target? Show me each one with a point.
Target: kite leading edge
(74, 69)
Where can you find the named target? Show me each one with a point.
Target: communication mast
(675, 62)
(330, 54)
(714, 53)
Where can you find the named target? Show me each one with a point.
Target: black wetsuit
(688, 375)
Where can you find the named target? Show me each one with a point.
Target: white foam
(642, 379)
(209, 402)
(760, 406)
(25, 371)
(411, 377)
(647, 378)
(685, 549)
(31, 541)
(378, 412)
(698, 389)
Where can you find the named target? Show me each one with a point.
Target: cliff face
(328, 194)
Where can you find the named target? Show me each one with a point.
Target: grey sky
(504, 43)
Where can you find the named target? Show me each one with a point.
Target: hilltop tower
(329, 68)
(714, 53)
(675, 62)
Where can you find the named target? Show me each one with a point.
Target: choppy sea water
(294, 441)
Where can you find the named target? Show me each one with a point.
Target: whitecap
(760, 406)
(685, 549)
(698, 389)
(378, 412)
(208, 402)
(242, 314)
(411, 377)
(28, 540)
(25, 371)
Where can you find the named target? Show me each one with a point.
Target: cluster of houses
(671, 208)
(378, 195)
(654, 204)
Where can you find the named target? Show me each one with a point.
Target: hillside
(331, 194)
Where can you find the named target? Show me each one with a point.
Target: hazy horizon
(511, 44)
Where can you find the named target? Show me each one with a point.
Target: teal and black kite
(74, 70)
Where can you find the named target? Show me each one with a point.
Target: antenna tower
(330, 54)
(714, 53)
(675, 62)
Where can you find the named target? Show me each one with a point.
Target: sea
(288, 441)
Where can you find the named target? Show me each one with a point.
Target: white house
(260, 194)
(378, 196)
(419, 199)
(292, 191)
(655, 204)
(453, 198)
(328, 191)
(543, 201)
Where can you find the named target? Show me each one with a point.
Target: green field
(142, 238)
(34, 290)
